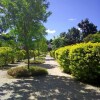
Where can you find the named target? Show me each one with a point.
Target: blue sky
(68, 13)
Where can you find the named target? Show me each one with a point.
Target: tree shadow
(47, 66)
(52, 59)
(6, 67)
(47, 88)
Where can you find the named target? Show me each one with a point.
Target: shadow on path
(47, 66)
(47, 88)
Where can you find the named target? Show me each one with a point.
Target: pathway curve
(55, 86)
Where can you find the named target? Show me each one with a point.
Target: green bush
(85, 61)
(18, 72)
(52, 53)
(36, 71)
(92, 38)
(20, 55)
(5, 55)
(24, 72)
(62, 56)
(81, 60)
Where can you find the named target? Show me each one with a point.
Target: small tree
(26, 17)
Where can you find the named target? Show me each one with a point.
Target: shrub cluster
(20, 55)
(24, 72)
(81, 60)
(9, 55)
(5, 55)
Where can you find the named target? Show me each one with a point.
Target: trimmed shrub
(5, 55)
(62, 56)
(37, 71)
(52, 53)
(24, 72)
(85, 61)
(81, 60)
(18, 72)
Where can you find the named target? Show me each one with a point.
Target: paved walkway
(55, 86)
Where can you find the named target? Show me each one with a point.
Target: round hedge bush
(85, 61)
(81, 60)
(24, 72)
(18, 72)
(37, 71)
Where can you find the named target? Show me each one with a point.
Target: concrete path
(55, 86)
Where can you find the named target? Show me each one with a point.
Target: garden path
(55, 86)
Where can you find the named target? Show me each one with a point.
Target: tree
(26, 17)
(58, 42)
(73, 36)
(63, 34)
(87, 27)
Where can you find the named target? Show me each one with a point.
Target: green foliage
(20, 54)
(87, 28)
(81, 60)
(85, 61)
(33, 53)
(92, 38)
(37, 71)
(24, 72)
(26, 18)
(52, 53)
(5, 55)
(62, 56)
(73, 36)
(18, 72)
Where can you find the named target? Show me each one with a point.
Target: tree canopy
(26, 17)
(87, 27)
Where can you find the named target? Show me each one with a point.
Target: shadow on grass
(47, 88)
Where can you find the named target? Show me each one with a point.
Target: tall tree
(87, 27)
(73, 36)
(63, 34)
(26, 17)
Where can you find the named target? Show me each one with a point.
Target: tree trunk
(27, 51)
(34, 55)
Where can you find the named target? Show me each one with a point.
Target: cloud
(72, 19)
(50, 31)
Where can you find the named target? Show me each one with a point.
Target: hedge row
(9, 55)
(81, 60)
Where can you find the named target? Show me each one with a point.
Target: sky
(68, 13)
